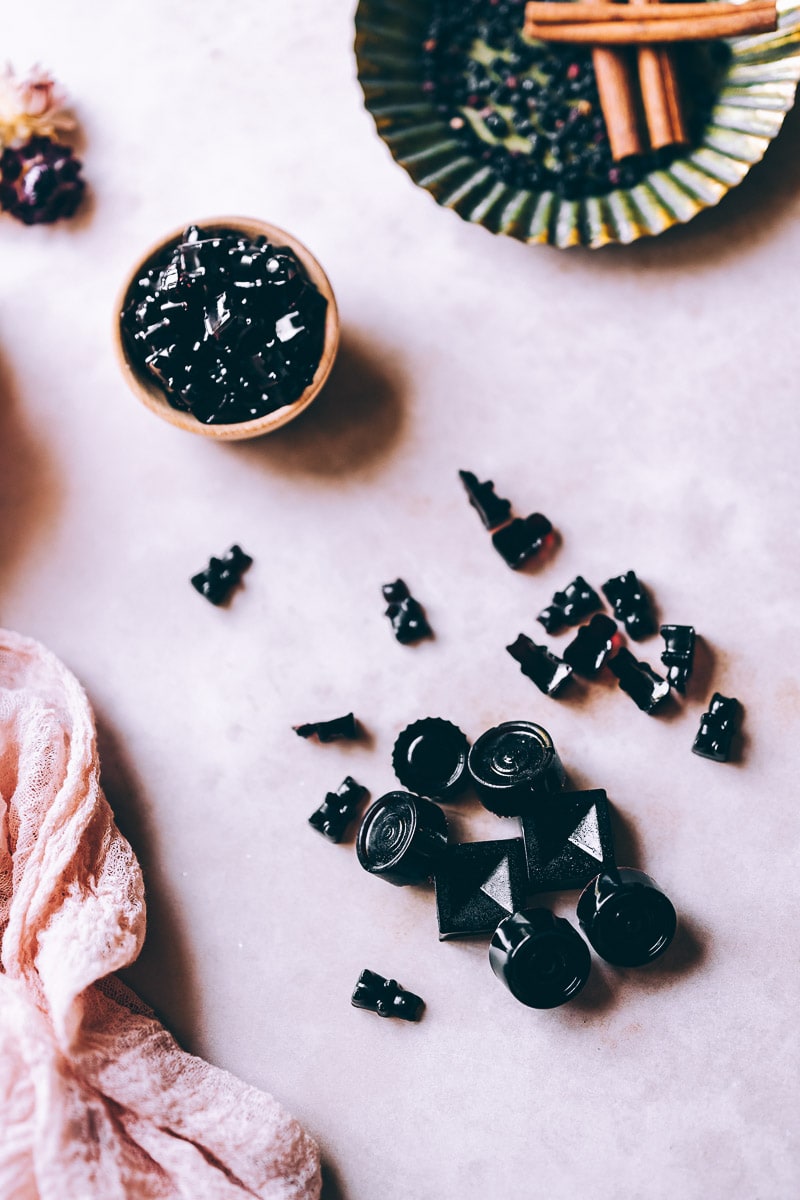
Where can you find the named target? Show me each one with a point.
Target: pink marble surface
(644, 398)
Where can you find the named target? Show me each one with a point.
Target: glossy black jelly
(678, 654)
(344, 728)
(626, 917)
(430, 758)
(402, 837)
(570, 606)
(493, 510)
(631, 604)
(511, 763)
(568, 839)
(477, 885)
(718, 728)
(540, 958)
(385, 997)
(338, 810)
(222, 575)
(230, 328)
(522, 539)
(406, 614)
(639, 681)
(542, 667)
(591, 646)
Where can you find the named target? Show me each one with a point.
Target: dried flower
(31, 107)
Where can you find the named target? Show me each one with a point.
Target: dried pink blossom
(30, 107)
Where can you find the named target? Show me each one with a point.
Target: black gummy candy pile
(230, 328)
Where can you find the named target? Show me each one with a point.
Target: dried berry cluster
(40, 179)
(530, 110)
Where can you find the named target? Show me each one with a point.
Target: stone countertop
(644, 398)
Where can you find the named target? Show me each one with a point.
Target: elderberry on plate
(530, 110)
(231, 328)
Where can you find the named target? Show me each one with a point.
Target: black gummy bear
(631, 605)
(717, 728)
(405, 613)
(638, 679)
(678, 654)
(230, 328)
(568, 840)
(338, 809)
(385, 997)
(522, 539)
(339, 729)
(545, 669)
(222, 575)
(569, 607)
(591, 646)
(491, 509)
(477, 885)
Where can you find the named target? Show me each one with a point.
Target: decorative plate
(757, 90)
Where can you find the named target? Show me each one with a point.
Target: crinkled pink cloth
(97, 1102)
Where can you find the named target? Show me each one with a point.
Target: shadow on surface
(608, 986)
(741, 739)
(627, 843)
(699, 686)
(598, 997)
(28, 489)
(352, 425)
(685, 955)
(163, 975)
(332, 1187)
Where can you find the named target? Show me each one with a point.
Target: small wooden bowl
(147, 389)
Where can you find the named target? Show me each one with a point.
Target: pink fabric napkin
(97, 1101)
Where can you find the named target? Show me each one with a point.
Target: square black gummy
(568, 840)
(478, 884)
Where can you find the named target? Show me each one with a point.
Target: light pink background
(644, 398)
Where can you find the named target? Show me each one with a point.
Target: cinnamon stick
(658, 83)
(615, 88)
(660, 99)
(680, 133)
(645, 31)
(553, 12)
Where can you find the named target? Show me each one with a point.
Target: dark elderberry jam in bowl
(227, 327)
(508, 132)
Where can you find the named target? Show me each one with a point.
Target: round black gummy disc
(513, 762)
(542, 960)
(430, 758)
(628, 920)
(401, 837)
(387, 831)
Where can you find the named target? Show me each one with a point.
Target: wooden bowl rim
(148, 391)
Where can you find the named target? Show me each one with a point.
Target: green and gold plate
(756, 90)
